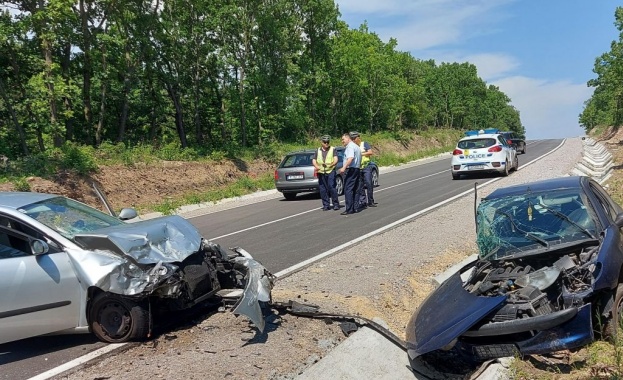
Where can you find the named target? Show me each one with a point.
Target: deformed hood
(446, 314)
(166, 239)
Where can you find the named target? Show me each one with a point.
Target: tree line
(210, 74)
(605, 106)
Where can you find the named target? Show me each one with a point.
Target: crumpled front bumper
(575, 333)
(259, 283)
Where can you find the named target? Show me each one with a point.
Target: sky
(540, 53)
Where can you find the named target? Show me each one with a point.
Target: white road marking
(304, 264)
(376, 191)
(79, 361)
(317, 208)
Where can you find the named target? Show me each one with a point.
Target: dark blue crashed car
(548, 276)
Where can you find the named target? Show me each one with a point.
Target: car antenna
(476, 205)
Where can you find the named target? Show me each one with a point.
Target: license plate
(294, 176)
(475, 167)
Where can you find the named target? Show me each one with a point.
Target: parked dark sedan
(515, 140)
(548, 276)
(296, 173)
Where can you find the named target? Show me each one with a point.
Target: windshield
(297, 160)
(69, 217)
(476, 143)
(521, 223)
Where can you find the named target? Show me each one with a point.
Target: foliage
(78, 158)
(21, 184)
(209, 79)
(605, 106)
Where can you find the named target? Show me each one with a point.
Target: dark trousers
(326, 186)
(351, 185)
(366, 192)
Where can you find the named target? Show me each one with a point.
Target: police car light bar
(482, 132)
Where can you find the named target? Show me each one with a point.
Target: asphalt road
(282, 234)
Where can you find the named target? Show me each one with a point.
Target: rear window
(477, 143)
(297, 160)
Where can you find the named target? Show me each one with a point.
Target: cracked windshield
(68, 217)
(522, 223)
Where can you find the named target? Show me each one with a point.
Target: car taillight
(457, 152)
(276, 175)
(496, 148)
(315, 173)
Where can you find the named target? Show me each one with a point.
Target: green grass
(243, 186)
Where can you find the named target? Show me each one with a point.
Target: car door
(40, 293)
(510, 158)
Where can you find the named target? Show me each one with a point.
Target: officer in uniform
(325, 162)
(351, 168)
(366, 189)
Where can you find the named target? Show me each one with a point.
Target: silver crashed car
(66, 267)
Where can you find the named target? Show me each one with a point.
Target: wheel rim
(339, 186)
(114, 320)
(618, 314)
(375, 179)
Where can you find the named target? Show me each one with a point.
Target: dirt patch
(144, 185)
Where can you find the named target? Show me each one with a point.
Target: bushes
(79, 158)
(70, 156)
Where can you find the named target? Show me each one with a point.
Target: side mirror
(39, 247)
(127, 214)
(618, 221)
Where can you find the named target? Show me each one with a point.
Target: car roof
(16, 199)
(569, 182)
(305, 151)
(301, 151)
(484, 135)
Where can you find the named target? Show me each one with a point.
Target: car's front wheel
(339, 185)
(116, 319)
(612, 324)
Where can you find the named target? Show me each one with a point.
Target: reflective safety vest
(329, 161)
(365, 160)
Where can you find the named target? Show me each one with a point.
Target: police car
(483, 151)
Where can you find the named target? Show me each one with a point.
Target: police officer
(325, 162)
(351, 168)
(366, 188)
